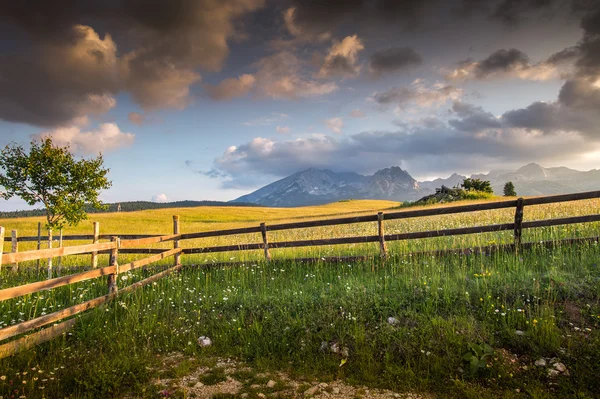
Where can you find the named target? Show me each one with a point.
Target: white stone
(336, 390)
(560, 367)
(271, 384)
(519, 333)
(392, 320)
(311, 391)
(540, 363)
(204, 341)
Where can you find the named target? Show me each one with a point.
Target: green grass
(275, 316)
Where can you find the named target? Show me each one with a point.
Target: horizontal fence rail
(131, 243)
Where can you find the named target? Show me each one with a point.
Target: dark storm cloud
(578, 105)
(318, 16)
(472, 118)
(393, 60)
(501, 61)
(162, 46)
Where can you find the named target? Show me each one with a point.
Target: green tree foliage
(509, 190)
(483, 186)
(49, 175)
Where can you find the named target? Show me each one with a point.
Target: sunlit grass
(276, 315)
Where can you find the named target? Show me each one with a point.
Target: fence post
(112, 278)
(15, 248)
(518, 224)
(95, 241)
(49, 259)
(382, 246)
(39, 245)
(263, 231)
(1, 245)
(60, 244)
(177, 257)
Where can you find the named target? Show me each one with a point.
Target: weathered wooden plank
(176, 243)
(46, 253)
(85, 237)
(23, 327)
(450, 232)
(30, 288)
(325, 222)
(324, 241)
(112, 278)
(146, 261)
(550, 199)
(518, 222)
(36, 338)
(381, 233)
(142, 251)
(263, 232)
(218, 233)
(95, 240)
(451, 210)
(561, 221)
(224, 248)
(147, 241)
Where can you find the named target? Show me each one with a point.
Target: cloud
(418, 93)
(162, 47)
(52, 84)
(283, 129)
(231, 87)
(513, 63)
(342, 59)
(335, 125)
(357, 113)
(160, 198)
(393, 60)
(423, 148)
(106, 137)
(136, 118)
(279, 76)
(317, 17)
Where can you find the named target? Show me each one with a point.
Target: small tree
(477, 185)
(509, 190)
(50, 175)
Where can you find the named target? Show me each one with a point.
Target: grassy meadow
(543, 303)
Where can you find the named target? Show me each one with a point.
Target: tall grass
(277, 315)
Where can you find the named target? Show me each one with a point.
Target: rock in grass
(560, 367)
(271, 384)
(336, 390)
(553, 373)
(519, 333)
(204, 341)
(262, 395)
(392, 321)
(311, 391)
(540, 362)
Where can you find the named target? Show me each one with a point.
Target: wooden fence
(130, 244)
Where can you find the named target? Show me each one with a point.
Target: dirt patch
(231, 379)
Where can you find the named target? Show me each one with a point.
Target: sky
(212, 99)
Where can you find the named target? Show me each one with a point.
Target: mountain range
(320, 186)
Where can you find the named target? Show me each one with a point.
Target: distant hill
(320, 186)
(130, 206)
